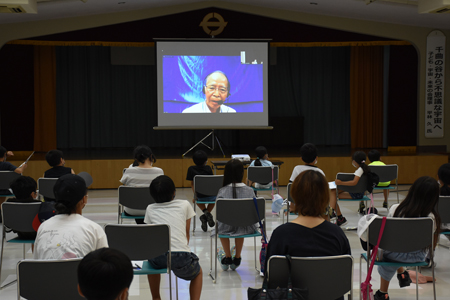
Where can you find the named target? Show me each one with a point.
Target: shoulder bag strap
(375, 250)
(259, 219)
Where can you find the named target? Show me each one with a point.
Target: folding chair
(6, 178)
(289, 198)
(134, 198)
(444, 213)
(48, 279)
(241, 213)
(142, 242)
(263, 175)
(17, 217)
(208, 185)
(387, 173)
(402, 235)
(360, 187)
(45, 187)
(308, 272)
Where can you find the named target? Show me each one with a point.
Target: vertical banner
(434, 98)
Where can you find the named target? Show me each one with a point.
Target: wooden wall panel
(107, 173)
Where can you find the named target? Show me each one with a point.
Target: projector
(18, 6)
(241, 157)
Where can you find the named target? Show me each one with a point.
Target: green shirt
(380, 163)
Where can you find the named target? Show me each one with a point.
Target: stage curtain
(313, 83)
(100, 105)
(44, 98)
(366, 97)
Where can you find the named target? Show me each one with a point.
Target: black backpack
(372, 181)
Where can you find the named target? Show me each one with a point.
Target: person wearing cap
(69, 234)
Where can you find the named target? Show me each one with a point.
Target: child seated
(233, 188)
(201, 168)
(178, 214)
(261, 160)
(56, 161)
(374, 157)
(69, 234)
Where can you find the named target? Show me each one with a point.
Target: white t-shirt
(137, 176)
(203, 108)
(300, 168)
(394, 207)
(68, 236)
(174, 213)
(359, 172)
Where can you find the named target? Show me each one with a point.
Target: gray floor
(102, 208)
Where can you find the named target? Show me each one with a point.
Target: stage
(106, 165)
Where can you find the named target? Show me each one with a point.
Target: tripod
(213, 136)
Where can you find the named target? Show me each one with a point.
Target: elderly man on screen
(216, 90)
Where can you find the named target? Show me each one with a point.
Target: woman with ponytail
(69, 234)
(359, 162)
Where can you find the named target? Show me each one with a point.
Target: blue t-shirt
(7, 166)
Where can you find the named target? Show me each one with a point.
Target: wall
(415, 35)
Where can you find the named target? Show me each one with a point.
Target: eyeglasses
(212, 89)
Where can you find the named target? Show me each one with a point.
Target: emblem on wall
(212, 27)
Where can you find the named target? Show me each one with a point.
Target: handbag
(366, 287)
(262, 253)
(290, 292)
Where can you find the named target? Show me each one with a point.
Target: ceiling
(388, 11)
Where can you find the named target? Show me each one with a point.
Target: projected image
(217, 84)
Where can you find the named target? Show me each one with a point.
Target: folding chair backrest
(6, 177)
(289, 192)
(135, 197)
(208, 185)
(239, 212)
(45, 187)
(20, 216)
(139, 242)
(444, 208)
(360, 187)
(402, 234)
(307, 272)
(385, 173)
(48, 279)
(262, 174)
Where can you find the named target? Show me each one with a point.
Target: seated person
(309, 234)
(6, 166)
(105, 274)
(142, 175)
(177, 213)
(262, 160)
(69, 234)
(24, 188)
(374, 157)
(56, 161)
(201, 168)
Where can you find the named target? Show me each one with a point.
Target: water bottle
(277, 203)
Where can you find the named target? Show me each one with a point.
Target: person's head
(374, 155)
(421, 200)
(105, 274)
(216, 90)
(162, 189)
(310, 192)
(359, 160)
(71, 194)
(233, 172)
(54, 158)
(261, 153)
(200, 158)
(309, 153)
(2, 152)
(142, 153)
(24, 187)
(444, 179)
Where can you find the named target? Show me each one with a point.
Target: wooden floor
(106, 172)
